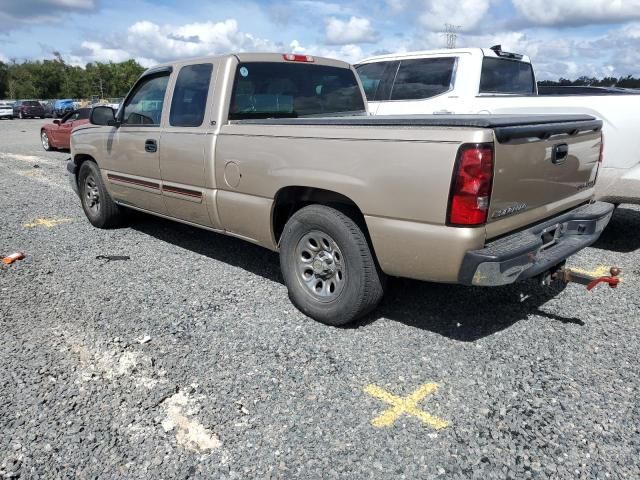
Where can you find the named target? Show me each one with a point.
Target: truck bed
(506, 127)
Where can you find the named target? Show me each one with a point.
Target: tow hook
(567, 275)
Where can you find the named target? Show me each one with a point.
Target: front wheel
(328, 266)
(97, 204)
(44, 137)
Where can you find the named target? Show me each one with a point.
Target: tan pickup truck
(279, 150)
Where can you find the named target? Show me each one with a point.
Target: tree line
(622, 82)
(48, 79)
(44, 79)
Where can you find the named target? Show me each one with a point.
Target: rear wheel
(97, 204)
(328, 266)
(44, 137)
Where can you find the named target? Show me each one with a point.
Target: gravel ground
(189, 361)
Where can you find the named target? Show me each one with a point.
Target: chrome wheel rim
(45, 141)
(91, 194)
(320, 266)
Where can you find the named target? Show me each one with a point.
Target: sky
(564, 38)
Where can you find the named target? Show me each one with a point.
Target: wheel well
(291, 199)
(80, 158)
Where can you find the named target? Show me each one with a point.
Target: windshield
(506, 77)
(31, 103)
(290, 90)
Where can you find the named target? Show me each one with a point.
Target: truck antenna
(451, 34)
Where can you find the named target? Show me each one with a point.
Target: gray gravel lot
(236, 383)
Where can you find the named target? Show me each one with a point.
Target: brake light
(294, 57)
(471, 185)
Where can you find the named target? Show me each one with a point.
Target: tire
(46, 141)
(337, 282)
(100, 209)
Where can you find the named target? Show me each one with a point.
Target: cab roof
(251, 57)
(486, 52)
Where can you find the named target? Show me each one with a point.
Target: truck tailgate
(536, 177)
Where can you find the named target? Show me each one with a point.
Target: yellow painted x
(47, 222)
(408, 405)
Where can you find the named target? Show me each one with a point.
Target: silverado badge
(503, 212)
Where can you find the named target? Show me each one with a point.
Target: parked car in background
(6, 110)
(56, 135)
(279, 150)
(492, 81)
(115, 102)
(48, 108)
(28, 109)
(62, 107)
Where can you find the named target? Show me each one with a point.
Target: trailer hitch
(567, 275)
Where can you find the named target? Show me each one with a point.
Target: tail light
(471, 185)
(294, 57)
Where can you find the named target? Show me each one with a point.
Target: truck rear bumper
(537, 249)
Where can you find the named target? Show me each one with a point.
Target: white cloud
(3, 58)
(355, 30)
(164, 42)
(578, 12)
(348, 53)
(464, 13)
(150, 43)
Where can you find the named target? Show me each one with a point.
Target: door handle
(151, 146)
(559, 153)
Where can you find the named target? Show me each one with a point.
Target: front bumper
(72, 175)
(537, 249)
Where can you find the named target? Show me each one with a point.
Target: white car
(490, 81)
(6, 110)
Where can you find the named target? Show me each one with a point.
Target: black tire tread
(111, 214)
(374, 278)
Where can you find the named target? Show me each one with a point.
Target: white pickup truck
(491, 81)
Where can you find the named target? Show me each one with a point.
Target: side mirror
(102, 115)
(57, 122)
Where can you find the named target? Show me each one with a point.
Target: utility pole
(451, 34)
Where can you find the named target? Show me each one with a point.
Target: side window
(144, 106)
(377, 78)
(84, 113)
(423, 78)
(371, 75)
(189, 100)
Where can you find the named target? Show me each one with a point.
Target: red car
(57, 135)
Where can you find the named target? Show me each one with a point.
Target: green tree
(56, 79)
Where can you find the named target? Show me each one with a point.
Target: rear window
(290, 90)
(506, 76)
(423, 78)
